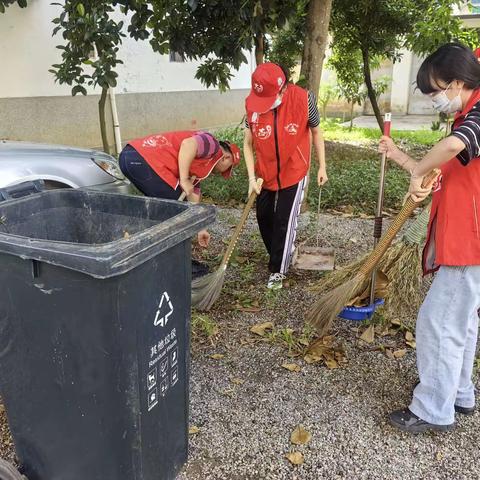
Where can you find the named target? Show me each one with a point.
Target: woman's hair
(450, 62)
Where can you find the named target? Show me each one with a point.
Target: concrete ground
(399, 122)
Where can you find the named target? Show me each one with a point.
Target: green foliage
(326, 95)
(287, 43)
(87, 27)
(4, 4)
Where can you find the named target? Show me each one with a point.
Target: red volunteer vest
(161, 153)
(281, 138)
(453, 236)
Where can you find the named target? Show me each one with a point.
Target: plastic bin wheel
(9, 472)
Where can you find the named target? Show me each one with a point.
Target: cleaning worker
(282, 120)
(447, 323)
(164, 164)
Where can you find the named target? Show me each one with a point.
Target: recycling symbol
(164, 310)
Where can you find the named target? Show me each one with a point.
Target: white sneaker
(275, 282)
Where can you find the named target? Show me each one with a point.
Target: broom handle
(407, 209)
(238, 229)
(181, 198)
(377, 230)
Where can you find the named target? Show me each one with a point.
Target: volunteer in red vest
(447, 323)
(282, 120)
(163, 165)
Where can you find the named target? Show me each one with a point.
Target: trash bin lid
(100, 234)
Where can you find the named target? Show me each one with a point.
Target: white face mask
(441, 103)
(276, 103)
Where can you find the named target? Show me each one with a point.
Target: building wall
(153, 94)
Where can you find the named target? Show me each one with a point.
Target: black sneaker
(407, 421)
(458, 408)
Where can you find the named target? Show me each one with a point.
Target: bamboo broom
(330, 304)
(401, 263)
(207, 289)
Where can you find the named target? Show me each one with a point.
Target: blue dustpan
(360, 313)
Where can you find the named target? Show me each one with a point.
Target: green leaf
(81, 9)
(78, 89)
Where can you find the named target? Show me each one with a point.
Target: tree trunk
(351, 116)
(316, 38)
(259, 48)
(371, 91)
(103, 126)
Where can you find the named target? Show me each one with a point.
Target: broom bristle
(207, 289)
(330, 304)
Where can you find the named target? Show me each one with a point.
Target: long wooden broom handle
(181, 198)
(238, 229)
(395, 227)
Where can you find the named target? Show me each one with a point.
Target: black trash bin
(94, 333)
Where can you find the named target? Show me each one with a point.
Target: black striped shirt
(313, 115)
(469, 133)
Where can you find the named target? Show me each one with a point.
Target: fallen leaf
(228, 391)
(292, 367)
(237, 381)
(249, 309)
(331, 364)
(396, 322)
(311, 358)
(400, 353)
(300, 436)
(368, 335)
(261, 328)
(409, 336)
(217, 356)
(126, 235)
(193, 430)
(295, 458)
(412, 344)
(439, 456)
(389, 354)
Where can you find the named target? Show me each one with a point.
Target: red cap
(476, 52)
(235, 151)
(267, 81)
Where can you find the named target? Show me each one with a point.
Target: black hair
(226, 145)
(285, 72)
(452, 61)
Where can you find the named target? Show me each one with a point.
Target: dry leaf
(412, 344)
(237, 381)
(311, 358)
(300, 436)
(217, 356)
(396, 322)
(193, 430)
(439, 456)
(126, 235)
(261, 328)
(330, 363)
(409, 336)
(295, 458)
(368, 335)
(228, 391)
(292, 367)
(249, 309)
(400, 353)
(389, 354)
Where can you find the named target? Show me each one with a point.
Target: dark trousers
(277, 217)
(141, 174)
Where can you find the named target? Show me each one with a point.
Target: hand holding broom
(206, 290)
(329, 305)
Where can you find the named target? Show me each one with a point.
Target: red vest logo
(156, 141)
(264, 132)
(291, 128)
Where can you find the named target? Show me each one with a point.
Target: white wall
(28, 51)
